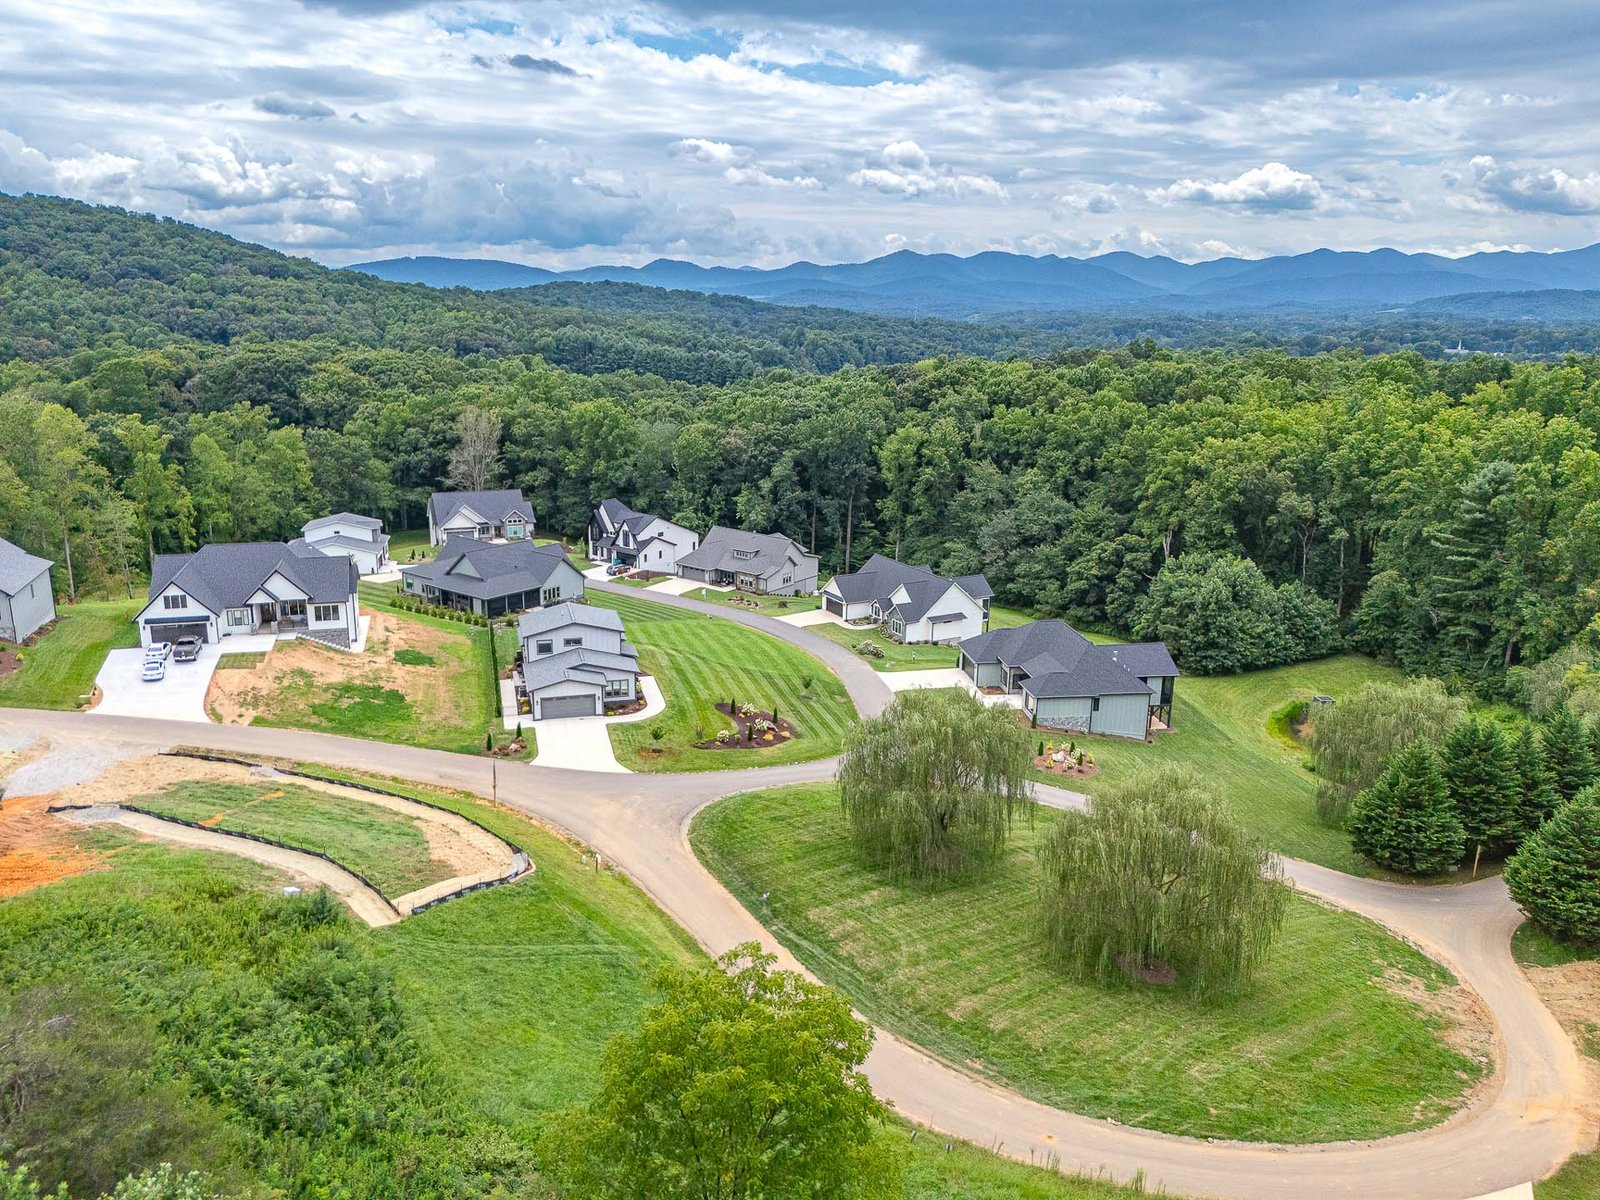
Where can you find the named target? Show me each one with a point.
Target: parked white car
(155, 670)
(157, 652)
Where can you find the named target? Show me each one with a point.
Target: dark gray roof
(558, 616)
(921, 595)
(493, 506)
(340, 542)
(226, 574)
(577, 663)
(717, 549)
(342, 518)
(1061, 662)
(486, 571)
(18, 568)
(877, 578)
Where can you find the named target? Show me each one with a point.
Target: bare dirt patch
(35, 848)
(10, 660)
(237, 697)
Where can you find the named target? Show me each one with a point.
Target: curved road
(1531, 1123)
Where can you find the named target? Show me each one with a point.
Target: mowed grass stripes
(1326, 1044)
(701, 661)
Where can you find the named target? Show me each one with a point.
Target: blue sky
(566, 134)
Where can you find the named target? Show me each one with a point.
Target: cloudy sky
(735, 131)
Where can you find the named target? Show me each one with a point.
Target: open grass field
(1317, 1050)
(406, 543)
(699, 665)
(60, 670)
(1220, 727)
(385, 846)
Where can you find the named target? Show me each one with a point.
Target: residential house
(494, 578)
(503, 513)
(251, 587)
(27, 602)
(361, 539)
(766, 563)
(576, 662)
(618, 534)
(911, 603)
(1067, 682)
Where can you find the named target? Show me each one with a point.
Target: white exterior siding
(33, 606)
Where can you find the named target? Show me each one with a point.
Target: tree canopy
(1555, 876)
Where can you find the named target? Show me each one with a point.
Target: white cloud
(738, 164)
(906, 170)
(1271, 185)
(1537, 189)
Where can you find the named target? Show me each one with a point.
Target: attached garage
(833, 604)
(549, 708)
(171, 631)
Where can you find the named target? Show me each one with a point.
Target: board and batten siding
(1116, 716)
(33, 606)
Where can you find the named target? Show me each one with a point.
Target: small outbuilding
(27, 601)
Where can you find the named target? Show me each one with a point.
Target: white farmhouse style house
(361, 539)
(618, 534)
(912, 604)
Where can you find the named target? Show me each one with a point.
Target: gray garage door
(566, 706)
(171, 633)
(834, 606)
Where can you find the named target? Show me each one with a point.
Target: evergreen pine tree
(1555, 877)
(1481, 779)
(1406, 821)
(1537, 794)
(1566, 749)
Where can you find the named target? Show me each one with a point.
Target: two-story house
(360, 539)
(576, 661)
(642, 541)
(910, 602)
(501, 513)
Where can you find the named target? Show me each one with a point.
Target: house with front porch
(1067, 682)
(27, 601)
(494, 578)
(360, 539)
(765, 563)
(232, 588)
(910, 602)
(503, 513)
(642, 541)
(576, 662)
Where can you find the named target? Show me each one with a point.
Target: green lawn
(1533, 947)
(405, 542)
(59, 672)
(383, 845)
(1578, 1180)
(939, 1168)
(1315, 1051)
(699, 664)
(896, 656)
(1220, 727)
(771, 606)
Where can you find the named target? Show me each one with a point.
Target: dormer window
(744, 553)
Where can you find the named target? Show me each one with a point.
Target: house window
(744, 553)
(176, 601)
(619, 687)
(550, 595)
(237, 617)
(544, 646)
(1094, 703)
(572, 641)
(325, 612)
(485, 531)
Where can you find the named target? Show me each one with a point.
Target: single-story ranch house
(1067, 682)
(27, 602)
(575, 662)
(618, 534)
(503, 513)
(494, 578)
(753, 562)
(361, 539)
(251, 587)
(911, 603)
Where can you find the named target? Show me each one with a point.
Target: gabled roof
(921, 595)
(768, 552)
(485, 570)
(18, 568)
(226, 574)
(615, 511)
(560, 616)
(577, 663)
(1060, 662)
(878, 577)
(342, 518)
(341, 543)
(493, 506)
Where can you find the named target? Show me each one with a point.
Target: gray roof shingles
(558, 616)
(18, 568)
(493, 506)
(342, 518)
(502, 570)
(878, 577)
(577, 663)
(226, 574)
(1062, 663)
(717, 549)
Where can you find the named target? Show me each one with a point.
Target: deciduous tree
(1352, 741)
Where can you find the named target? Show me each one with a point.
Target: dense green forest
(163, 386)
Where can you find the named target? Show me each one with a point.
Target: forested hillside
(1443, 514)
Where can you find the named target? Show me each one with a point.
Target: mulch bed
(785, 731)
(1067, 770)
(10, 660)
(647, 575)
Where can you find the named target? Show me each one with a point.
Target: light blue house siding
(33, 606)
(1114, 716)
(989, 674)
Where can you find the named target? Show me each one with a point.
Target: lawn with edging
(701, 661)
(770, 606)
(1316, 1050)
(385, 846)
(896, 655)
(59, 671)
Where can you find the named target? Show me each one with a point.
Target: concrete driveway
(583, 743)
(678, 586)
(813, 616)
(181, 696)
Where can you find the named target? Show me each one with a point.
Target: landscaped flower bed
(1068, 760)
(750, 729)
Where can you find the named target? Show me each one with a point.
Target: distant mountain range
(997, 283)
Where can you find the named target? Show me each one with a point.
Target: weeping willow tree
(1156, 882)
(932, 786)
(1352, 741)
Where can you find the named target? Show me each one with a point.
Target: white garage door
(566, 706)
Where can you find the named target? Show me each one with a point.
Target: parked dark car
(618, 569)
(186, 649)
